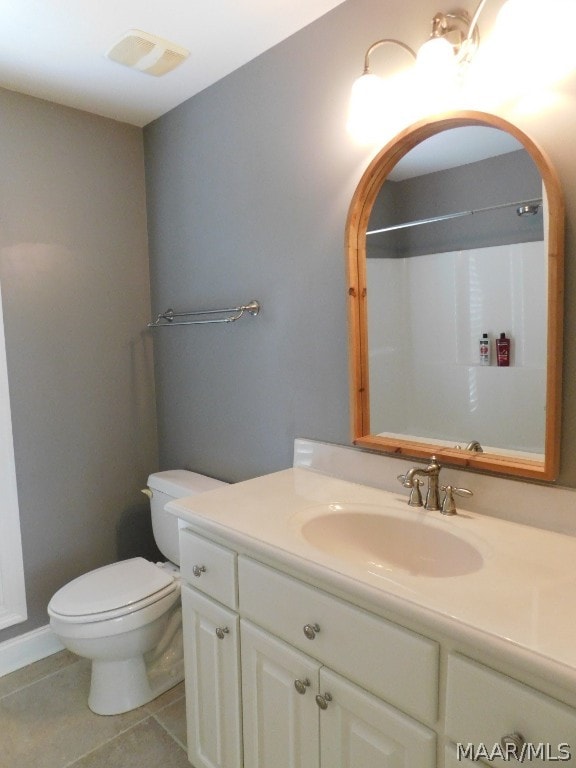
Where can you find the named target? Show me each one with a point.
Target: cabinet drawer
(209, 567)
(394, 663)
(484, 705)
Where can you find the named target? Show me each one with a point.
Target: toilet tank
(164, 487)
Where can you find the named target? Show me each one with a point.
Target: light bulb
(519, 18)
(546, 57)
(436, 60)
(367, 108)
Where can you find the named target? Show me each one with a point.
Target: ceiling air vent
(147, 53)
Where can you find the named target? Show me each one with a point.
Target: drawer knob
(198, 570)
(311, 630)
(221, 632)
(322, 701)
(512, 743)
(301, 685)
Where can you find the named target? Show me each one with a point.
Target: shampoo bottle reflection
(503, 350)
(484, 350)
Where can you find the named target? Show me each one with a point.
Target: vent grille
(147, 53)
(168, 61)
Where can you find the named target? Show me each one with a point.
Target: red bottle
(503, 350)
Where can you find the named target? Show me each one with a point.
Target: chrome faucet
(473, 446)
(412, 480)
(432, 472)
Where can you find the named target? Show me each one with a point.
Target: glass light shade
(546, 56)
(436, 61)
(366, 115)
(520, 17)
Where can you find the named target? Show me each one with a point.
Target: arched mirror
(455, 236)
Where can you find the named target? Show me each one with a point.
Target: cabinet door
(485, 707)
(212, 665)
(358, 729)
(280, 723)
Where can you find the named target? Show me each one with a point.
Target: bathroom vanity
(327, 623)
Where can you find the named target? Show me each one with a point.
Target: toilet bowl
(126, 617)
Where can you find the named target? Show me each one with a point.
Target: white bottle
(484, 350)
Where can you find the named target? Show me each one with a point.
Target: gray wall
(500, 180)
(246, 199)
(248, 190)
(75, 288)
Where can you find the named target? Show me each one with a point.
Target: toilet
(126, 617)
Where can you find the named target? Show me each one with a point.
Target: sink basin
(384, 543)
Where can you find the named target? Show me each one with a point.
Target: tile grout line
(123, 732)
(146, 715)
(174, 738)
(39, 679)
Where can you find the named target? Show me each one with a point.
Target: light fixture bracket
(384, 41)
(456, 28)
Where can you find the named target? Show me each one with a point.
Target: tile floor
(45, 723)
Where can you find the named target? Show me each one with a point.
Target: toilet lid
(119, 585)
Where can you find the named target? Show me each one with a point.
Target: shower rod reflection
(166, 319)
(522, 208)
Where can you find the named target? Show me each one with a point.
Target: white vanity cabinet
(393, 663)
(322, 682)
(211, 653)
(281, 673)
(488, 709)
(279, 710)
(299, 714)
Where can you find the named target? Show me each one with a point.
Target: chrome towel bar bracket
(166, 319)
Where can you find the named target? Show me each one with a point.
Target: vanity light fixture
(440, 73)
(452, 43)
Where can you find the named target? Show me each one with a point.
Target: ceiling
(55, 49)
(452, 148)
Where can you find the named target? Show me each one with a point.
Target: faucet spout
(432, 472)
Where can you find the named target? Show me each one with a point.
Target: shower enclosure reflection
(453, 253)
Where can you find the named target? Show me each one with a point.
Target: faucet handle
(448, 504)
(415, 499)
(402, 479)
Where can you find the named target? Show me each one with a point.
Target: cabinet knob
(512, 743)
(311, 630)
(301, 685)
(322, 701)
(198, 570)
(221, 632)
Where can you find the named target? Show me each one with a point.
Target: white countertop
(519, 596)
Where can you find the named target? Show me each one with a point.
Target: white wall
(12, 591)
(429, 317)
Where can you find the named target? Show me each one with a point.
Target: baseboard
(27, 648)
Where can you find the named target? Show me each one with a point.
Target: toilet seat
(112, 591)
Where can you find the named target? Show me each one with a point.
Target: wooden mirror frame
(356, 226)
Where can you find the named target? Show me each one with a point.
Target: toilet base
(118, 686)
